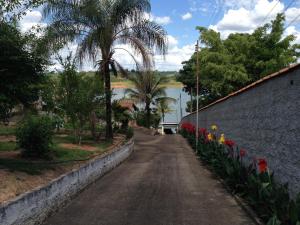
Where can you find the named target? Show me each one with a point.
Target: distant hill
(120, 82)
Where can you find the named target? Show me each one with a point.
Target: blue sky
(180, 17)
(208, 12)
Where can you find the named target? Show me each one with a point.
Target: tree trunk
(148, 115)
(109, 131)
(93, 124)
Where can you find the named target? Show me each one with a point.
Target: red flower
(203, 132)
(229, 143)
(188, 127)
(243, 152)
(262, 165)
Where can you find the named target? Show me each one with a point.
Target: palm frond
(120, 68)
(129, 11)
(152, 34)
(139, 48)
(88, 47)
(137, 64)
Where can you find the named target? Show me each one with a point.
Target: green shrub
(34, 136)
(141, 119)
(129, 133)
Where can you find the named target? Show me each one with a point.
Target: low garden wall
(33, 207)
(264, 119)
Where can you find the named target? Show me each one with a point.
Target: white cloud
(245, 19)
(162, 20)
(292, 30)
(165, 20)
(291, 14)
(234, 4)
(200, 6)
(175, 57)
(187, 16)
(172, 41)
(172, 61)
(31, 19)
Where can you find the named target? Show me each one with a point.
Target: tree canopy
(227, 65)
(21, 68)
(99, 27)
(148, 90)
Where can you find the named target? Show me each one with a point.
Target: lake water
(175, 93)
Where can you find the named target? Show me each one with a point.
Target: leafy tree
(228, 65)
(15, 9)
(79, 96)
(99, 26)
(21, 69)
(271, 51)
(121, 115)
(148, 88)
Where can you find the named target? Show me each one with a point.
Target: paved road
(162, 183)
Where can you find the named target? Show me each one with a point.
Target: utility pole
(180, 107)
(191, 106)
(197, 75)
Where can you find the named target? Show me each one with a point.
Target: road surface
(162, 183)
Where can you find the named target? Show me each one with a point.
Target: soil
(15, 183)
(81, 147)
(12, 184)
(8, 138)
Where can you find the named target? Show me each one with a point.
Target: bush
(129, 133)
(34, 136)
(141, 119)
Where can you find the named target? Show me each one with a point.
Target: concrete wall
(33, 207)
(264, 119)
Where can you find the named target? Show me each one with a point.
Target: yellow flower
(222, 139)
(210, 137)
(214, 127)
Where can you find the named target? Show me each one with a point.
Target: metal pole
(197, 111)
(191, 107)
(180, 107)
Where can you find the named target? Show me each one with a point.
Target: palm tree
(163, 106)
(148, 89)
(100, 28)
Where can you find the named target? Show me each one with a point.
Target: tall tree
(163, 106)
(15, 9)
(78, 95)
(99, 27)
(21, 68)
(227, 65)
(148, 89)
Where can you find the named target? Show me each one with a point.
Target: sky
(181, 17)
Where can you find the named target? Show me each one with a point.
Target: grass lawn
(25, 166)
(86, 140)
(8, 146)
(63, 152)
(7, 130)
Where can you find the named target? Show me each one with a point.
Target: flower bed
(250, 180)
